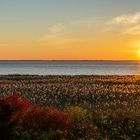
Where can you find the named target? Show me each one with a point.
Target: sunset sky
(69, 29)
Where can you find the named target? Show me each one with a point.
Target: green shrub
(51, 135)
(80, 114)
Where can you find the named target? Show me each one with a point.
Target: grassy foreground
(70, 107)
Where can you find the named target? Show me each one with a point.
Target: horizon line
(64, 60)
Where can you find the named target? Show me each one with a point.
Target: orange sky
(88, 47)
(64, 31)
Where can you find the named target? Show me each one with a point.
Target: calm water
(70, 68)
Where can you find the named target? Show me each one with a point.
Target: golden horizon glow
(139, 53)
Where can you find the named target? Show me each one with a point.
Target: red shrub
(16, 107)
(39, 119)
(57, 120)
(32, 117)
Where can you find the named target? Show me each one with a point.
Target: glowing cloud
(127, 24)
(126, 19)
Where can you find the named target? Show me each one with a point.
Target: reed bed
(86, 91)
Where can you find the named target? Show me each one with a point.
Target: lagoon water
(70, 67)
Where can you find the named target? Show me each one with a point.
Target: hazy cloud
(127, 24)
(73, 30)
(134, 30)
(4, 45)
(56, 28)
(126, 19)
(54, 31)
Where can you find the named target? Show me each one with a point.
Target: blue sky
(51, 11)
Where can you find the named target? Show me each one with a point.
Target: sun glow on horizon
(138, 53)
(136, 45)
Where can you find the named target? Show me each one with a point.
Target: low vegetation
(69, 107)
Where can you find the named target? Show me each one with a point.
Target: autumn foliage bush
(11, 111)
(15, 112)
(42, 119)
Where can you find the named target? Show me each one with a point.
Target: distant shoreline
(69, 60)
(64, 76)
